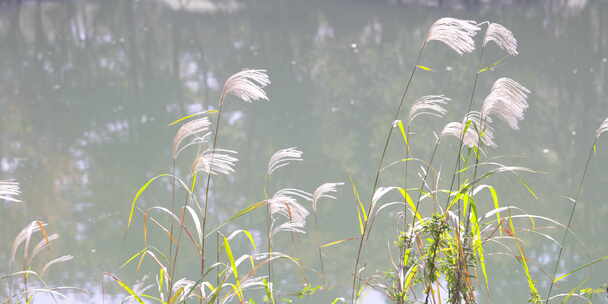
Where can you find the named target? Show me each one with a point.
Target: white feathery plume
(198, 127)
(9, 191)
(456, 33)
(247, 85)
(429, 105)
(324, 191)
(603, 128)
(507, 100)
(295, 192)
(282, 158)
(289, 227)
(503, 38)
(216, 161)
(288, 207)
(471, 137)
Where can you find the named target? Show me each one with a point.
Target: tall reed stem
(209, 175)
(377, 178)
(564, 237)
(173, 211)
(268, 228)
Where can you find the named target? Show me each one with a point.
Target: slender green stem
(268, 227)
(571, 217)
(170, 281)
(209, 175)
(377, 178)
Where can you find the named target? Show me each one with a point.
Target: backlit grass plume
(432, 105)
(247, 85)
(216, 161)
(470, 127)
(508, 100)
(283, 158)
(503, 38)
(324, 191)
(603, 128)
(198, 128)
(288, 207)
(456, 33)
(9, 191)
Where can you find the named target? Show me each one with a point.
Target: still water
(87, 89)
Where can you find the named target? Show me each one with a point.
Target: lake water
(87, 89)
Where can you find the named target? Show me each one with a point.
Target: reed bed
(440, 256)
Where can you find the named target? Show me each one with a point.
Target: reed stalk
(209, 175)
(570, 218)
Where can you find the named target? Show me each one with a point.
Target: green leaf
(231, 259)
(192, 115)
(577, 269)
(242, 212)
(133, 257)
(334, 243)
(403, 133)
(478, 241)
(410, 275)
(139, 193)
(126, 288)
(410, 202)
(492, 66)
(361, 214)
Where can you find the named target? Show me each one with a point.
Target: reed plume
(468, 131)
(456, 33)
(324, 191)
(603, 128)
(247, 85)
(214, 162)
(432, 105)
(198, 128)
(283, 158)
(503, 38)
(9, 191)
(507, 100)
(288, 207)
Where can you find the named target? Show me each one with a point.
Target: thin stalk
(268, 227)
(564, 237)
(170, 281)
(377, 178)
(209, 175)
(402, 249)
(217, 259)
(456, 167)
